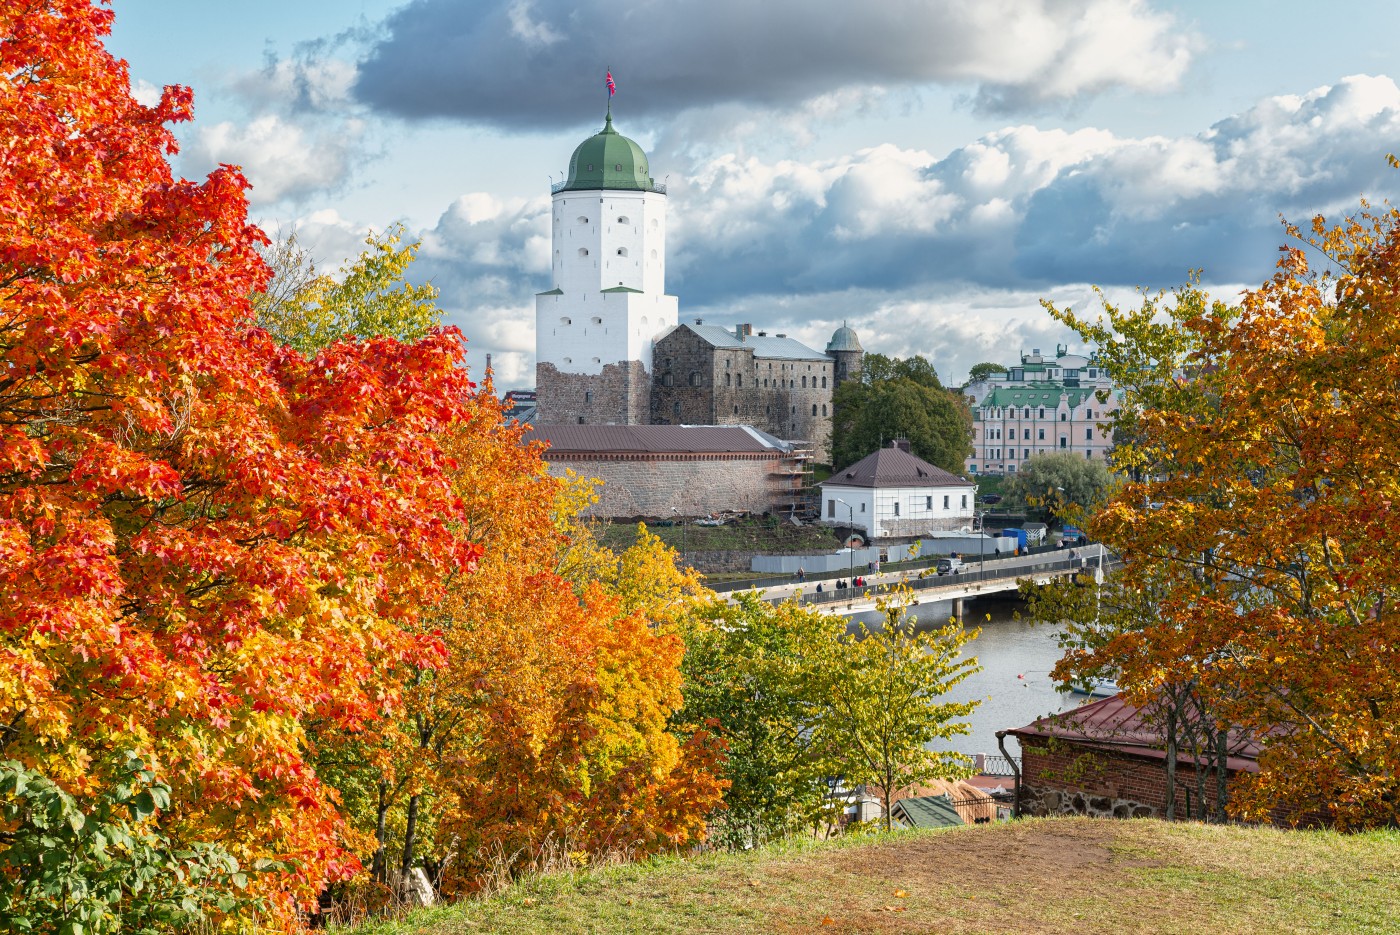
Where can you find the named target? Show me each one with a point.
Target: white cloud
(282, 160)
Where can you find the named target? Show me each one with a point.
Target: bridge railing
(1057, 562)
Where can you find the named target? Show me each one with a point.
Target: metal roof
(655, 439)
(1114, 724)
(928, 811)
(763, 345)
(894, 467)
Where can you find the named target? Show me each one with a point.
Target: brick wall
(620, 395)
(695, 485)
(1064, 778)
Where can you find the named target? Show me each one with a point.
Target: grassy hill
(1039, 876)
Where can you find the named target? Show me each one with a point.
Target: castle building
(1043, 406)
(596, 326)
(609, 349)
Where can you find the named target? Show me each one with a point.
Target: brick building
(1108, 759)
(708, 375)
(661, 471)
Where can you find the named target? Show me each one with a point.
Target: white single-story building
(892, 493)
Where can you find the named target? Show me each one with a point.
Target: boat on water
(1099, 688)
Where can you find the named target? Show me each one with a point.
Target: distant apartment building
(1042, 406)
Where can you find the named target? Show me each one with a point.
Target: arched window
(583, 251)
(823, 382)
(804, 386)
(741, 379)
(597, 320)
(566, 321)
(582, 219)
(623, 220)
(814, 408)
(621, 251)
(823, 408)
(726, 379)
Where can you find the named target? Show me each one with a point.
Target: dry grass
(1038, 876)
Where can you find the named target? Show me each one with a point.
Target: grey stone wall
(620, 395)
(698, 384)
(693, 485)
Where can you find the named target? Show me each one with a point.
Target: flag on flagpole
(612, 86)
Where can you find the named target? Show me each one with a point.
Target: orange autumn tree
(548, 724)
(1261, 518)
(206, 540)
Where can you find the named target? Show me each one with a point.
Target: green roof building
(1043, 405)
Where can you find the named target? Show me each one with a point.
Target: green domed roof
(844, 339)
(608, 159)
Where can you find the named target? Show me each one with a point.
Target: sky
(927, 171)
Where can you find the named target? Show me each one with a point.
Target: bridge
(975, 579)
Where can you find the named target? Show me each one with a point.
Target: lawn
(1038, 876)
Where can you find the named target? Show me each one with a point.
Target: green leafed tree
(308, 310)
(900, 398)
(1060, 483)
(983, 370)
(885, 700)
(751, 669)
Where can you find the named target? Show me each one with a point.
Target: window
(582, 219)
(741, 379)
(588, 396)
(566, 321)
(964, 501)
(928, 503)
(804, 383)
(830, 509)
(727, 379)
(1064, 417)
(862, 507)
(583, 251)
(1028, 413)
(623, 220)
(896, 508)
(736, 410)
(580, 420)
(621, 251)
(676, 408)
(1027, 433)
(823, 382)
(1089, 435)
(1089, 454)
(823, 408)
(1064, 442)
(666, 380)
(945, 501)
(794, 410)
(1042, 434)
(1027, 453)
(814, 408)
(694, 379)
(597, 321)
(1042, 412)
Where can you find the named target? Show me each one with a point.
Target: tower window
(694, 379)
(582, 219)
(566, 321)
(588, 396)
(823, 382)
(823, 408)
(621, 251)
(623, 220)
(583, 251)
(814, 408)
(597, 320)
(618, 167)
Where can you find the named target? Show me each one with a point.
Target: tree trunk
(1170, 805)
(1222, 754)
(379, 867)
(410, 827)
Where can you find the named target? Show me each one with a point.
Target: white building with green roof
(1042, 406)
(596, 326)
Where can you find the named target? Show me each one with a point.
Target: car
(947, 566)
(990, 498)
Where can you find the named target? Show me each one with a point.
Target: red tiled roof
(895, 467)
(650, 439)
(1114, 724)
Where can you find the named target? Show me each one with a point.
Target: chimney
(780, 336)
(902, 444)
(699, 321)
(763, 334)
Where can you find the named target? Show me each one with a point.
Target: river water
(1014, 684)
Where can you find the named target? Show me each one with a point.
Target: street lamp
(682, 519)
(850, 549)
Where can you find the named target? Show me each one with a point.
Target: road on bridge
(972, 580)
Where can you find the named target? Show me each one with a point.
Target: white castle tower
(594, 329)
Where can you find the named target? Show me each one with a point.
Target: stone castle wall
(694, 485)
(620, 395)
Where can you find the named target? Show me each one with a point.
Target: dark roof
(783, 348)
(894, 467)
(654, 439)
(928, 811)
(1114, 724)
